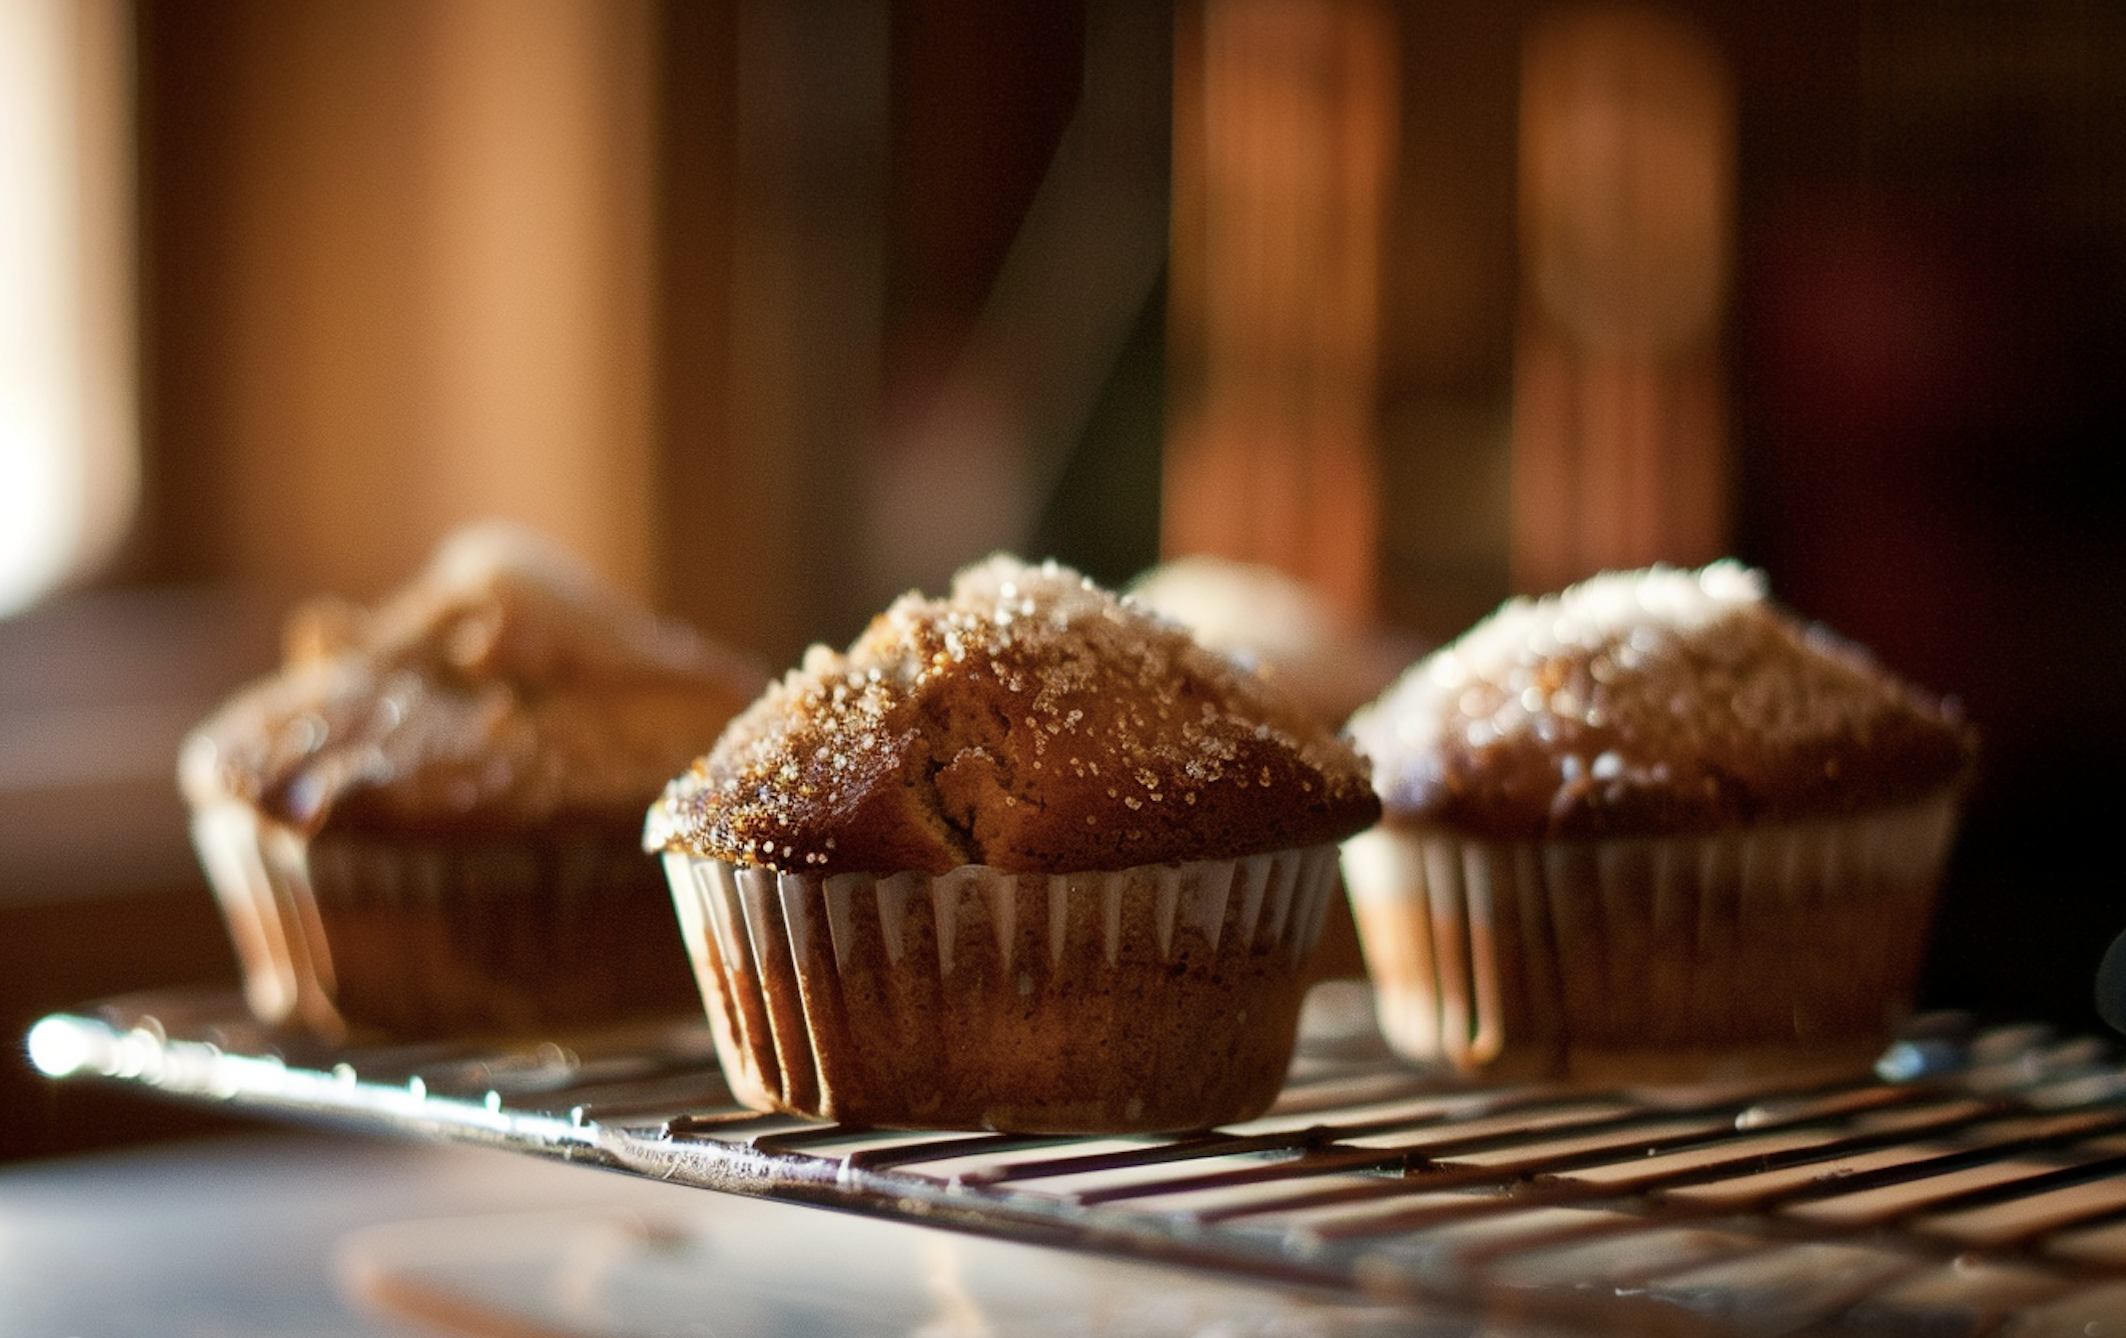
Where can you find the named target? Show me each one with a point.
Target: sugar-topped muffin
(1654, 814)
(1027, 857)
(426, 822)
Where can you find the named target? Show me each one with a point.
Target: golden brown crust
(1030, 723)
(505, 689)
(1652, 703)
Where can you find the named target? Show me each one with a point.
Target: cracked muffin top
(1653, 703)
(1029, 722)
(507, 687)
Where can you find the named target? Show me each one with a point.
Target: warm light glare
(67, 451)
(58, 1047)
(1627, 169)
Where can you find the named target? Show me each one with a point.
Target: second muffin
(1027, 858)
(1652, 826)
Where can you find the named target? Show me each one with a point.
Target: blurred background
(774, 309)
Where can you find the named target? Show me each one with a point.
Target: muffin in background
(1652, 826)
(1279, 626)
(427, 822)
(1026, 858)
(1289, 632)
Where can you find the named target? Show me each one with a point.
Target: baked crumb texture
(1030, 723)
(1652, 702)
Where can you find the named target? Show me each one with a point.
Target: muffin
(1026, 858)
(1279, 626)
(1651, 826)
(427, 822)
(1289, 632)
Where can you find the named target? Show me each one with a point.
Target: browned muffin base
(1660, 959)
(346, 934)
(854, 1015)
(514, 937)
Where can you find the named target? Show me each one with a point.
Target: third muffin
(1652, 826)
(424, 824)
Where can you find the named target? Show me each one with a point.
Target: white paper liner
(441, 938)
(820, 989)
(1719, 951)
(261, 881)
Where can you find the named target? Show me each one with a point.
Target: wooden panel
(806, 289)
(401, 265)
(533, 318)
(1284, 136)
(1627, 225)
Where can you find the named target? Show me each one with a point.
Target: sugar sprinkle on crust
(507, 687)
(1030, 722)
(1653, 702)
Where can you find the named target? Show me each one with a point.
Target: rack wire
(1974, 1182)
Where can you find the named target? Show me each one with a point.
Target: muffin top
(505, 688)
(1279, 626)
(1652, 703)
(1030, 722)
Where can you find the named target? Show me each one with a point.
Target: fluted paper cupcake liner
(1664, 957)
(1158, 997)
(442, 938)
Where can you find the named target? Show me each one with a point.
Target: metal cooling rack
(1974, 1183)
